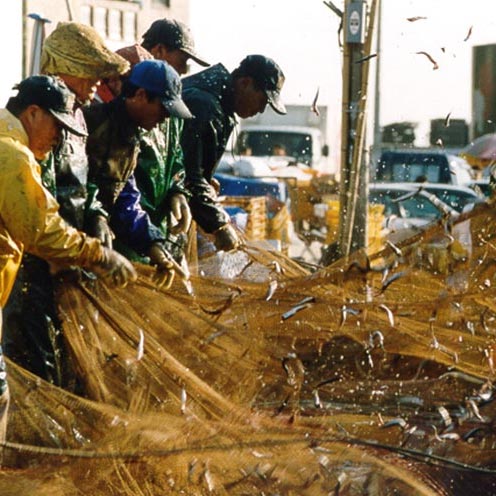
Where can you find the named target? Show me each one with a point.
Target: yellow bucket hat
(78, 50)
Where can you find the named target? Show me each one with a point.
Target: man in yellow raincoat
(30, 127)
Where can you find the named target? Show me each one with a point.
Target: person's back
(215, 97)
(160, 170)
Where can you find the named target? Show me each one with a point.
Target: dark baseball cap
(160, 79)
(268, 77)
(51, 94)
(172, 34)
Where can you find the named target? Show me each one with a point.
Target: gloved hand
(98, 228)
(215, 184)
(164, 274)
(226, 238)
(115, 267)
(181, 212)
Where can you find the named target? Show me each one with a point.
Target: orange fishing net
(372, 376)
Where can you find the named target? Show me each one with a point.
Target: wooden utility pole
(354, 170)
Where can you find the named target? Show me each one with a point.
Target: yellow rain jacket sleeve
(29, 218)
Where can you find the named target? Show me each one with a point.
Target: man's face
(84, 88)
(44, 132)
(248, 99)
(146, 113)
(173, 56)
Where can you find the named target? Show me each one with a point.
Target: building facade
(120, 22)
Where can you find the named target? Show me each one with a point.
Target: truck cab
(303, 144)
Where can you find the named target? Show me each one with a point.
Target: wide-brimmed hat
(78, 50)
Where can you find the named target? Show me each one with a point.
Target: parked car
(456, 196)
(481, 186)
(417, 165)
(408, 207)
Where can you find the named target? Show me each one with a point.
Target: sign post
(354, 170)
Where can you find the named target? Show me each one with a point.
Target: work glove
(226, 238)
(181, 212)
(166, 267)
(115, 267)
(98, 228)
(215, 184)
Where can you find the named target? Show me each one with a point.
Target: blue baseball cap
(160, 79)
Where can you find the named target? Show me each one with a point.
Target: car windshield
(263, 143)
(416, 206)
(417, 171)
(454, 198)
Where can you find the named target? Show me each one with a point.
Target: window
(114, 24)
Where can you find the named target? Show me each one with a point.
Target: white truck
(300, 136)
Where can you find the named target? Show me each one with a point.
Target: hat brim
(69, 122)
(177, 108)
(195, 57)
(274, 99)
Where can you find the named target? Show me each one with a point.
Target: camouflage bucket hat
(78, 50)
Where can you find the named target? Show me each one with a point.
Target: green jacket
(160, 170)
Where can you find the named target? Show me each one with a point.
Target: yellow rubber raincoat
(29, 218)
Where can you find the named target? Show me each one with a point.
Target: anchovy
(435, 65)
(364, 59)
(475, 410)
(445, 416)
(271, 290)
(393, 278)
(394, 247)
(396, 421)
(314, 107)
(293, 311)
(472, 432)
(416, 18)
(469, 33)
(141, 346)
(344, 313)
(184, 398)
(389, 314)
(376, 339)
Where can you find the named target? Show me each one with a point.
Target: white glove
(181, 212)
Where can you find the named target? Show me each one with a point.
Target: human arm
(29, 213)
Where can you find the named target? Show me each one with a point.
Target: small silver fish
(271, 290)
(141, 346)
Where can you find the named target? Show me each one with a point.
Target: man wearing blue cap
(150, 95)
(215, 97)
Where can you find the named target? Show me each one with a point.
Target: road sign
(355, 22)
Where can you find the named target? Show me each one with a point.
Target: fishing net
(372, 376)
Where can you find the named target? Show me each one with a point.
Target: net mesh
(371, 376)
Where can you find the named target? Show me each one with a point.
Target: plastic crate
(255, 207)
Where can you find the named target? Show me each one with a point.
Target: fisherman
(160, 170)
(33, 337)
(214, 96)
(150, 95)
(110, 87)
(30, 127)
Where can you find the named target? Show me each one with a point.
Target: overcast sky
(301, 37)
